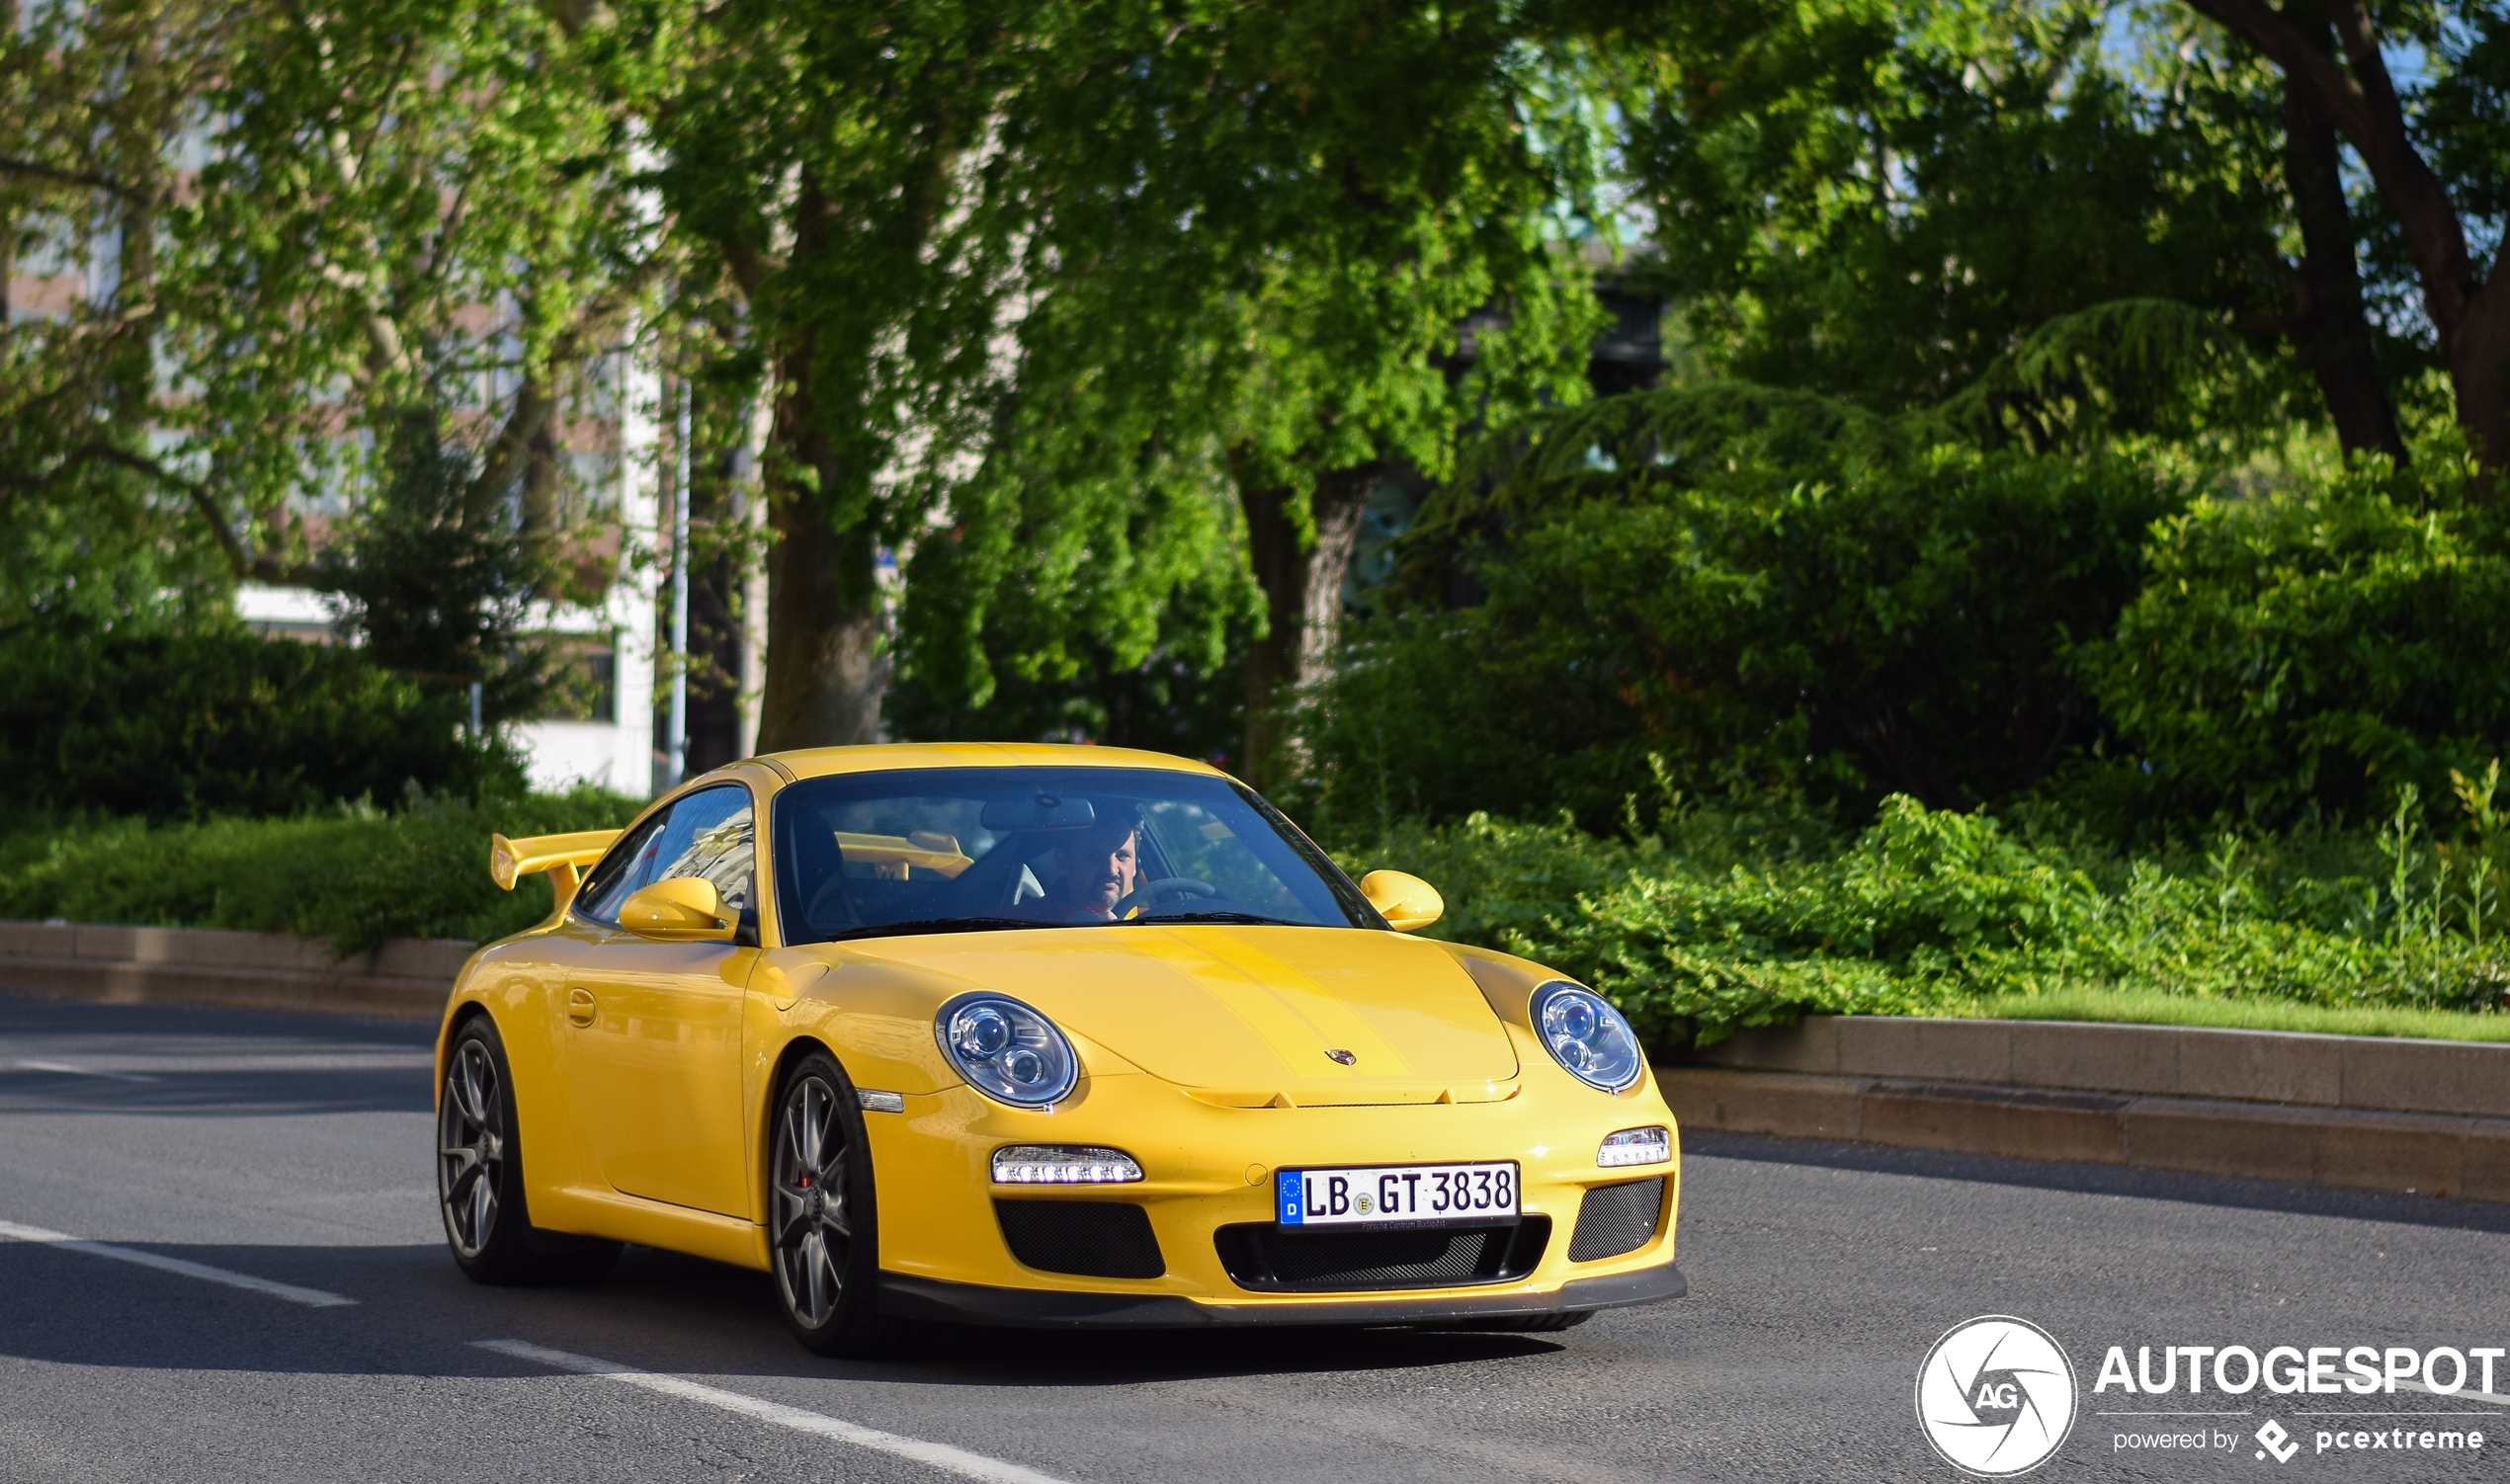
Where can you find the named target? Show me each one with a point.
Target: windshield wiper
(1165, 919)
(939, 924)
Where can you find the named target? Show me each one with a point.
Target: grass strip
(2153, 1007)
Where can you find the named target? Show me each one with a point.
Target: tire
(823, 1247)
(479, 1176)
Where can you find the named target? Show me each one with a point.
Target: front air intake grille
(1088, 1238)
(1614, 1219)
(1262, 1257)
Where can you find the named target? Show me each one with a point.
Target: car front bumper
(909, 1297)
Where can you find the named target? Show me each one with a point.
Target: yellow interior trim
(904, 853)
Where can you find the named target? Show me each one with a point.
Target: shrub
(1718, 919)
(2313, 649)
(192, 725)
(1750, 586)
(354, 875)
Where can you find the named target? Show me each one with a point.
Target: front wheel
(821, 1218)
(479, 1176)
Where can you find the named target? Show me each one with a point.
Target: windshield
(944, 849)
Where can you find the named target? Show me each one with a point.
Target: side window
(621, 872)
(706, 834)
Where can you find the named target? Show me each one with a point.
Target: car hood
(1246, 1015)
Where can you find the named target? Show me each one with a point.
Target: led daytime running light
(1635, 1146)
(1063, 1165)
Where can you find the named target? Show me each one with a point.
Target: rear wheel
(821, 1217)
(479, 1176)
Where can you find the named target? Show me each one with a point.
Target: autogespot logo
(1996, 1396)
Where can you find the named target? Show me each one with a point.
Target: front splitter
(909, 1297)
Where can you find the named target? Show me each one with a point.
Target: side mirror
(681, 909)
(1407, 903)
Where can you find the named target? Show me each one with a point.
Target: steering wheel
(1149, 895)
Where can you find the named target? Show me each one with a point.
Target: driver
(1100, 867)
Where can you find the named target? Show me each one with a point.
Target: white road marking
(311, 1297)
(2458, 1396)
(66, 1069)
(940, 1456)
(136, 1066)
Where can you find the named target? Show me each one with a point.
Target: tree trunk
(1302, 600)
(2470, 312)
(714, 585)
(2328, 326)
(824, 671)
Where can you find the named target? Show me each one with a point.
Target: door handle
(579, 1007)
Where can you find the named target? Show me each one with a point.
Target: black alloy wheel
(820, 1219)
(479, 1176)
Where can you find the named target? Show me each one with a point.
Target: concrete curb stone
(128, 965)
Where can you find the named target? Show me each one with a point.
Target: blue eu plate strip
(1289, 1188)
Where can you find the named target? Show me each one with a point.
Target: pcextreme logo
(1996, 1396)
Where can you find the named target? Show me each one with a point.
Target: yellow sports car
(1037, 1036)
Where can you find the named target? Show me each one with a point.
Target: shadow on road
(2108, 1180)
(417, 1315)
(75, 1057)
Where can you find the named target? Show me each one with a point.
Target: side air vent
(1261, 1257)
(1614, 1219)
(1086, 1238)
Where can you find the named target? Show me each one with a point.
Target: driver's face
(1099, 870)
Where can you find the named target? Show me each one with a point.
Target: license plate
(1397, 1195)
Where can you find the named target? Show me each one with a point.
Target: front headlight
(1006, 1050)
(1587, 1035)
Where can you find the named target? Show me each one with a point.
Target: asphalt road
(296, 1152)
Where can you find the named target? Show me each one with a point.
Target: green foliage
(1745, 584)
(2123, 368)
(266, 230)
(2153, 1007)
(353, 876)
(1716, 918)
(221, 723)
(437, 591)
(1877, 200)
(1254, 252)
(1177, 698)
(2312, 647)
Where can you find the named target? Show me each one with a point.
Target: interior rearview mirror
(1038, 811)
(679, 909)
(1406, 903)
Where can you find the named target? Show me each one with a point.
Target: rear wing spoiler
(564, 856)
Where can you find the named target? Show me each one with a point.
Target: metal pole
(677, 767)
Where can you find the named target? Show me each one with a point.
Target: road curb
(407, 978)
(2428, 1117)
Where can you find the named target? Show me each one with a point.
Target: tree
(2350, 87)
(1414, 165)
(1273, 254)
(319, 219)
(1878, 200)
(822, 159)
(92, 104)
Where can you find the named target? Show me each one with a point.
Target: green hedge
(1742, 584)
(354, 875)
(197, 726)
(1717, 919)
(1699, 921)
